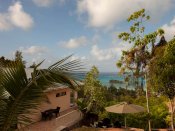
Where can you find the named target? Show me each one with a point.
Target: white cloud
(4, 22)
(75, 42)
(110, 53)
(43, 3)
(169, 29)
(82, 58)
(106, 13)
(15, 17)
(33, 50)
(102, 54)
(47, 3)
(120, 47)
(37, 59)
(18, 17)
(96, 39)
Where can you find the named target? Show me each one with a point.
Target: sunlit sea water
(104, 78)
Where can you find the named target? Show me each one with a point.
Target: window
(60, 94)
(63, 93)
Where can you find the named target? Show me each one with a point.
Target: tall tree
(93, 97)
(162, 73)
(138, 56)
(19, 95)
(19, 57)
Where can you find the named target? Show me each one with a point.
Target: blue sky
(53, 29)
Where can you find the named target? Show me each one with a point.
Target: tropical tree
(158, 113)
(20, 95)
(92, 98)
(33, 65)
(19, 57)
(5, 61)
(138, 56)
(161, 73)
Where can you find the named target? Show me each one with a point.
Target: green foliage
(158, 109)
(119, 64)
(162, 70)
(138, 14)
(161, 73)
(20, 96)
(138, 56)
(18, 57)
(92, 93)
(160, 59)
(170, 52)
(139, 120)
(168, 120)
(81, 104)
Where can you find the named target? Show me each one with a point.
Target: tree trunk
(172, 114)
(147, 103)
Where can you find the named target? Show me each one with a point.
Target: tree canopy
(93, 92)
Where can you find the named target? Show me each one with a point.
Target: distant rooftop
(55, 87)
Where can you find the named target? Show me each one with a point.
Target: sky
(53, 29)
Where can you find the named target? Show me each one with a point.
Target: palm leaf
(20, 95)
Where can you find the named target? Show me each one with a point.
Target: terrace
(67, 118)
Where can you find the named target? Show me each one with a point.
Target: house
(58, 95)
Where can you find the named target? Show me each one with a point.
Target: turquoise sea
(105, 78)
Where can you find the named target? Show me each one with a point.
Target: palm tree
(20, 95)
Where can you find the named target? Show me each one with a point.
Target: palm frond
(20, 95)
(59, 62)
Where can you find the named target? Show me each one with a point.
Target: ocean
(106, 77)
